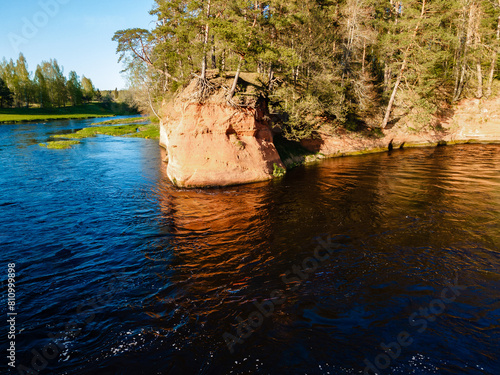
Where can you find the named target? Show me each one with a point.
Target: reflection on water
(194, 264)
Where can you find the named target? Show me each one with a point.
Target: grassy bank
(122, 121)
(92, 110)
(150, 131)
(104, 130)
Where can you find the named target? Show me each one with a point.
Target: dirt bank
(473, 120)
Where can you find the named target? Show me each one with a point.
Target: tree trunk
(393, 95)
(477, 41)
(491, 74)
(401, 71)
(387, 77)
(493, 60)
(461, 72)
(236, 77)
(479, 93)
(205, 45)
(240, 63)
(214, 57)
(364, 57)
(270, 77)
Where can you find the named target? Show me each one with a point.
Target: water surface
(126, 274)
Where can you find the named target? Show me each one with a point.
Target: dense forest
(347, 62)
(47, 87)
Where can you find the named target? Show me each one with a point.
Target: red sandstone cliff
(216, 144)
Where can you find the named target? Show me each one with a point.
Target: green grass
(145, 131)
(121, 121)
(15, 115)
(59, 145)
(105, 130)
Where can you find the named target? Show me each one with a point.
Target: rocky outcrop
(473, 121)
(216, 144)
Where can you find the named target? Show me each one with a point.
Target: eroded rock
(216, 144)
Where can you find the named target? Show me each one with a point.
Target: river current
(386, 263)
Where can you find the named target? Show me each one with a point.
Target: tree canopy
(344, 61)
(46, 87)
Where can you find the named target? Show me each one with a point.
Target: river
(380, 263)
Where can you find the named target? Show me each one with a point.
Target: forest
(346, 62)
(46, 88)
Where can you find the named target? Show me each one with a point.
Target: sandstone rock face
(214, 144)
(473, 121)
(163, 135)
(476, 119)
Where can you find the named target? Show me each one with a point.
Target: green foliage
(74, 88)
(278, 171)
(291, 152)
(88, 89)
(322, 61)
(151, 131)
(47, 87)
(377, 133)
(6, 98)
(301, 113)
(145, 131)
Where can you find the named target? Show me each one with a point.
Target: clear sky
(75, 32)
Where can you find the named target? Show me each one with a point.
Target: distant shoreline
(32, 115)
(52, 118)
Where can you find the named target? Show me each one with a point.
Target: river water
(383, 263)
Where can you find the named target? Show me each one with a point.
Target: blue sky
(75, 32)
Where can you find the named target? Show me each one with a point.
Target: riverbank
(85, 111)
(213, 142)
(471, 121)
